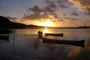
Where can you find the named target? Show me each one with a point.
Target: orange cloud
(83, 5)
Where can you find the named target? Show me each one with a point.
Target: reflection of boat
(53, 34)
(68, 42)
(3, 31)
(4, 34)
(85, 26)
(6, 37)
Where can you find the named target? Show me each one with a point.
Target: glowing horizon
(46, 23)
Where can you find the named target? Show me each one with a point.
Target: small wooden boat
(66, 42)
(54, 34)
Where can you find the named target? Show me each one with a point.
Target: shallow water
(24, 45)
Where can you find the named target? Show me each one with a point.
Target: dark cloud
(71, 18)
(61, 1)
(47, 12)
(51, 4)
(37, 13)
(63, 6)
(48, 9)
(64, 14)
(74, 13)
(35, 9)
(58, 4)
(51, 12)
(51, 8)
(35, 16)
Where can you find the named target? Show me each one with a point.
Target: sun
(45, 22)
(48, 24)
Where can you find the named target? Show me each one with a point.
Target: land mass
(7, 24)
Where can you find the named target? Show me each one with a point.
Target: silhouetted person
(40, 34)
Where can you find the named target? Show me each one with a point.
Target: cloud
(48, 9)
(47, 12)
(83, 5)
(64, 14)
(50, 12)
(51, 4)
(51, 9)
(12, 18)
(71, 18)
(36, 13)
(61, 1)
(58, 4)
(35, 16)
(63, 6)
(74, 13)
(35, 9)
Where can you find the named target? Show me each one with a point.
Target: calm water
(24, 45)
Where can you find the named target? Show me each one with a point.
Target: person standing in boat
(40, 34)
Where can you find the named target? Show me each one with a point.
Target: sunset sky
(55, 13)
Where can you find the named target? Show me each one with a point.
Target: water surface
(24, 45)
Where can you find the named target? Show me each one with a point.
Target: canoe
(66, 42)
(54, 34)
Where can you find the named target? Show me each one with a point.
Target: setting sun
(47, 23)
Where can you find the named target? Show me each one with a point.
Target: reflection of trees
(6, 37)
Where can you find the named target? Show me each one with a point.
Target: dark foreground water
(22, 44)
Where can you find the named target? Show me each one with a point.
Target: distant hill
(84, 27)
(6, 23)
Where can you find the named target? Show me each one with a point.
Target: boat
(65, 42)
(54, 34)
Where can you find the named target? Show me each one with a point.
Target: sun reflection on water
(45, 30)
